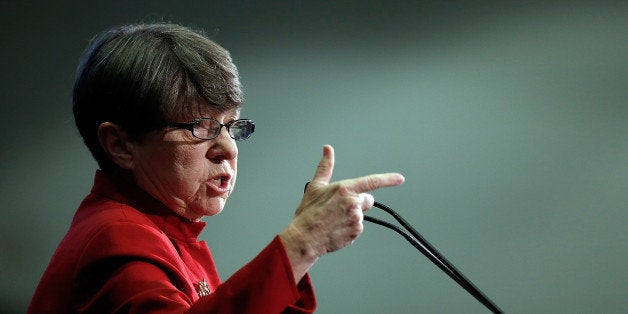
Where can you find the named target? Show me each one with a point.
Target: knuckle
(373, 182)
(343, 189)
(322, 165)
(356, 230)
(347, 203)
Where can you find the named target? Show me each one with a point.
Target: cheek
(186, 171)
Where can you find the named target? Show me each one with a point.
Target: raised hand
(330, 214)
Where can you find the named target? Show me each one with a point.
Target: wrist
(297, 243)
(301, 252)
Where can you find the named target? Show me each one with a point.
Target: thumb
(325, 167)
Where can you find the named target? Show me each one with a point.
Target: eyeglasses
(209, 128)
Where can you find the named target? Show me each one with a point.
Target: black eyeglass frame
(190, 126)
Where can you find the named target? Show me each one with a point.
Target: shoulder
(106, 228)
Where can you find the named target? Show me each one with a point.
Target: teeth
(219, 180)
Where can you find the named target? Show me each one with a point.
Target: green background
(509, 121)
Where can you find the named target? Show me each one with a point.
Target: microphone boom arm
(415, 238)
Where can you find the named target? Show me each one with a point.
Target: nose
(223, 147)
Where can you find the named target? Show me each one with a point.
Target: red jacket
(125, 252)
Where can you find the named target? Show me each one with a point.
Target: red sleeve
(264, 285)
(141, 274)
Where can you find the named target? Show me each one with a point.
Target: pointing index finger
(374, 182)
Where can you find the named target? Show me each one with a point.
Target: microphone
(416, 240)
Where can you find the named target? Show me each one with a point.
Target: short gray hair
(142, 77)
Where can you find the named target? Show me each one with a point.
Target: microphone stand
(433, 255)
(415, 238)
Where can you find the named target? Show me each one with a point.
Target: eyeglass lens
(238, 129)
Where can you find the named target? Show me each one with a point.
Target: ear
(114, 142)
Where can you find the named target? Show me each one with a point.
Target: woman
(158, 106)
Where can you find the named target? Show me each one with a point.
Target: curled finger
(367, 201)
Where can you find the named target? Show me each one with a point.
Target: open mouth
(220, 183)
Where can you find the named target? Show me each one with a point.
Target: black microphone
(416, 240)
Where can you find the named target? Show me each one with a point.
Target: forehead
(204, 110)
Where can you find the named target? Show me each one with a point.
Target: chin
(212, 208)
(212, 213)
